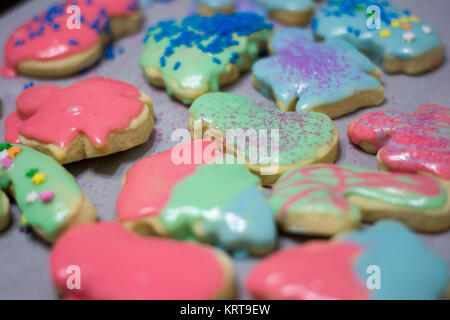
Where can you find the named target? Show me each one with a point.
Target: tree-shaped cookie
(47, 195)
(332, 77)
(417, 142)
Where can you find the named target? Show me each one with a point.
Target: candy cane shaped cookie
(328, 199)
(48, 196)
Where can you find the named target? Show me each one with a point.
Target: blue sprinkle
(109, 52)
(162, 61)
(209, 34)
(356, 33)
(349, 29)
(28, 85)
(73, 42)
(314, 24)
(56, 26)
(19, 43)
(177, 65)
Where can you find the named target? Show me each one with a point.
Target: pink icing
(316, 270)
(95, 107)
(408, 142)
(117, 264)
(48, 36)
(343, 179)
(149, 182)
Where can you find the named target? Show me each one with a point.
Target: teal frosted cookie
(395, 37)
(384, 262)
(291, 12)
(200, 54)
(268, 140)
(303, 75)
(328, 199)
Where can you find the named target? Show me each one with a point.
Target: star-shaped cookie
(332, 77)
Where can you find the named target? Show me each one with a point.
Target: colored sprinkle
(38, 178)
(13, 151)
(385, 33)
(31, 197)
(46, 196)
(177, 65)
(5, 145)
(73, 42)
(6, 162)
(28, 85)
(162, 61)
(209, 34)
(30, 173)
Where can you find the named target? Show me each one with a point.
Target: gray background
(24, 259)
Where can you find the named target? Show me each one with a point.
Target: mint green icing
(190, 66)
(324, 189)
(46, 215)
(301, 134)
(225, 200)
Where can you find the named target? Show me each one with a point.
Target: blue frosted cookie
(291, 12)
(389, 35)
(331, 77)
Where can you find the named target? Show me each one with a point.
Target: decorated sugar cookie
(291, 12)
(48, 196)
(328, 199)
(139, 268)
(189, 192)
(270, 141)
(68, 37)
(417, 142)
(92, 118)
(395, 37)
(211, 7)
(384, 262)
(201, 54)
(332, 77)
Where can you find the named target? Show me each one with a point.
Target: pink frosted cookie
(418, 142)
(68, 37)
(105, 261)
(92, 118)
(386, 261)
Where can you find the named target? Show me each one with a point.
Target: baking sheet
(24, 260)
